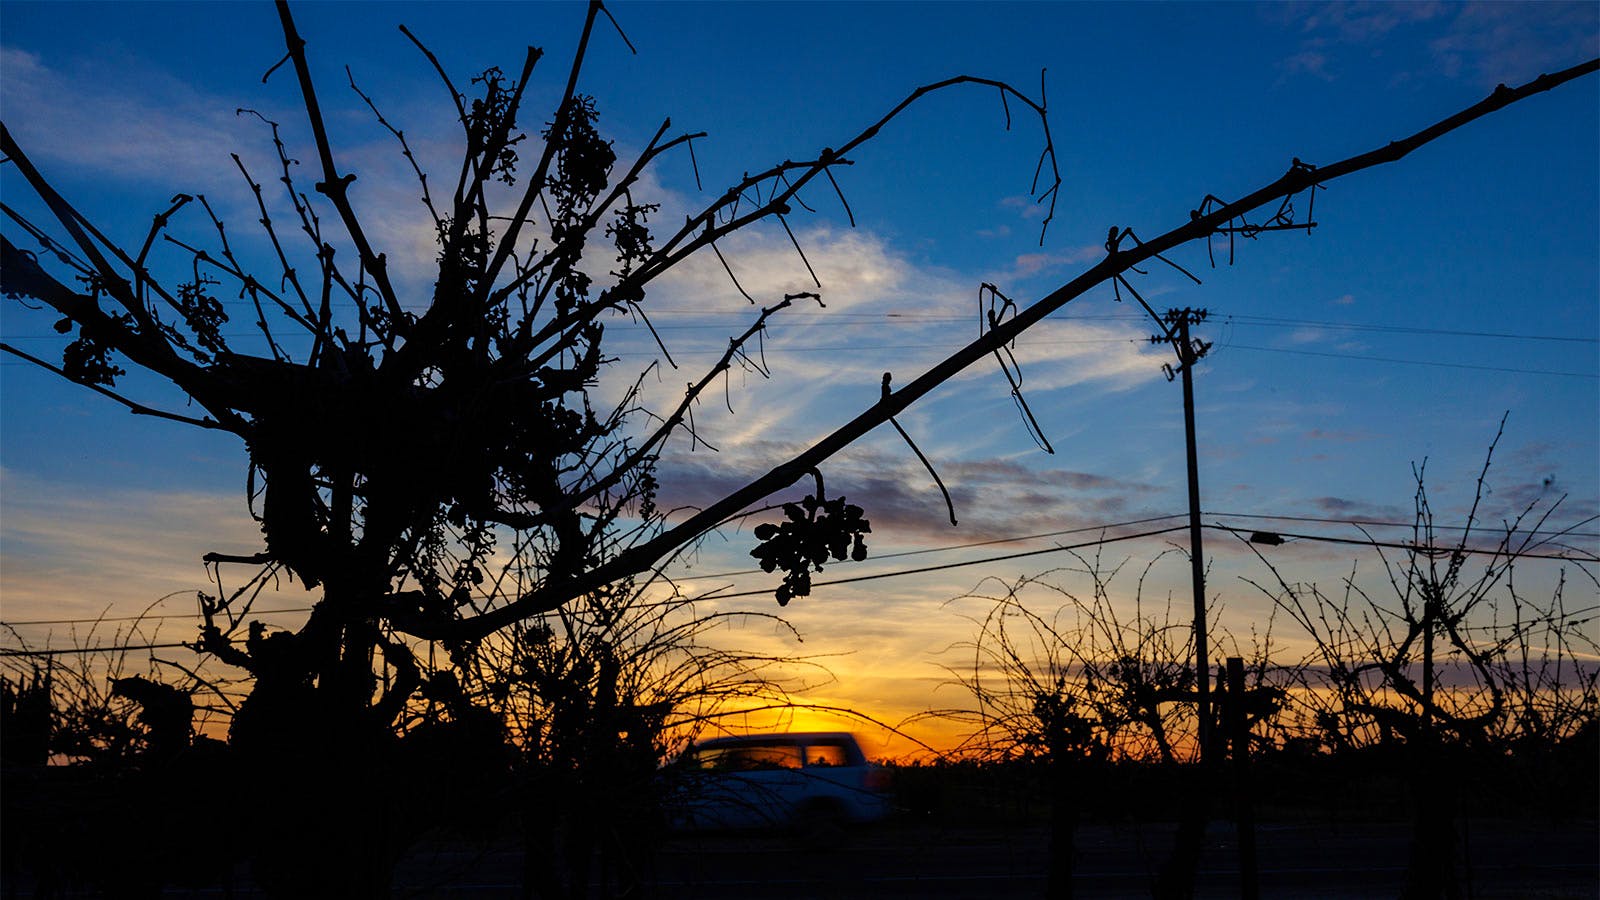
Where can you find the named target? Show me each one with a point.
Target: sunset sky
(1435, 296)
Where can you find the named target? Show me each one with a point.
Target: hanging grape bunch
(817, 529)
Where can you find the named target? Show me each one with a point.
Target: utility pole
(1176, 327)
(1178, 874)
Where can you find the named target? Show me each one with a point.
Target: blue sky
(1436, 294)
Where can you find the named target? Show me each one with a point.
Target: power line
(846, 348)
(958, 565)
(1379, 522)
(143, 618)
(712, 596)
(1058, 548)
(1407, 546)
(770, 348)
(1240, 319)
(776, 348)
(112, 648)
(865, 319)
(1415, 548)
(1272, 321)
(941, 549)
(947, 548)
(1413, 362)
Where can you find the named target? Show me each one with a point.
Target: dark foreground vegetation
(1327, 826)
(1561, 784)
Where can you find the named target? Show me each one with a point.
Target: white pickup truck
(811, 782)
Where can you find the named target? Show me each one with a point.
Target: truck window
(832, 754)
(749, 757)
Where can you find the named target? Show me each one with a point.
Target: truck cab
(808, 781)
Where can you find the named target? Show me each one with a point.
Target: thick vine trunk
(322, 763)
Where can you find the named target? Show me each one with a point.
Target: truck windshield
(748, 757)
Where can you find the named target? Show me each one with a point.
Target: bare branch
(456, 96)
(137, 409)
(405, 148)
(335, 186)
(948, 503)
(640, 556)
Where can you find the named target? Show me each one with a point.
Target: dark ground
(1506, 860)
(1329, 831)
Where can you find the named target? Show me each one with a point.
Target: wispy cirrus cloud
(1030, 264)
(1023, 205)
(1337, 436)
(1363, 22)
(148, 127)
(855, 267)
(1351, 508)
(1307, 62)
(1113, 356)
(125, 124)
(1483, 42)
(1495, 42)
